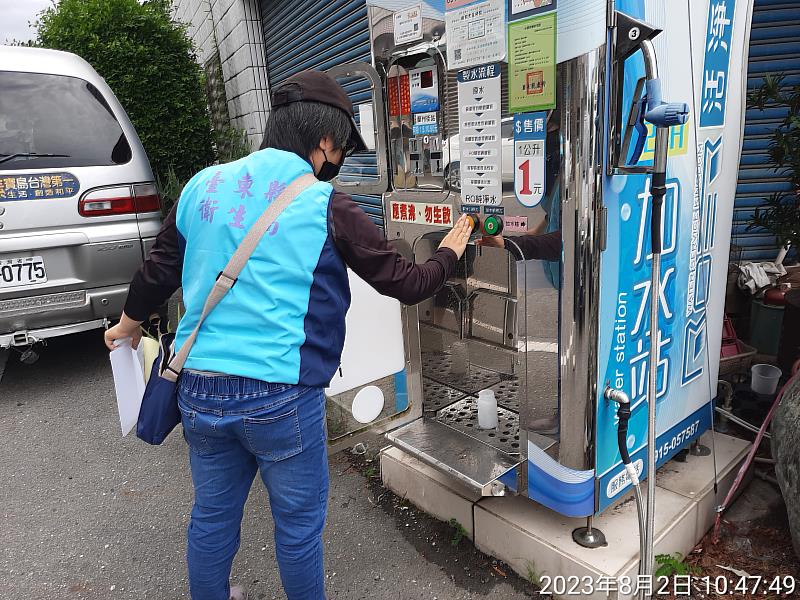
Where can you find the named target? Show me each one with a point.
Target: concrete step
(537, 542)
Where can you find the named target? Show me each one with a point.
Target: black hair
(298, 127)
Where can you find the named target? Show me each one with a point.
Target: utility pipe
(750, 456)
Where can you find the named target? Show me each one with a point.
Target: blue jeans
(234, 427)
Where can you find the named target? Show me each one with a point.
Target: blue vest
(283, 320)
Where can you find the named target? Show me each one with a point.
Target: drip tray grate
(463, 416)
(439, 367)
(507, 394)
(437, 395)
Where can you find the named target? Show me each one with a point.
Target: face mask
(329, 170)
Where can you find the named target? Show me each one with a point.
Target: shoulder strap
(227, 278)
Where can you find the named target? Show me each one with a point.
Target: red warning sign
(399, 96)
(422, 213)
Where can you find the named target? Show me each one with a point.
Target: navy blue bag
(159, 413)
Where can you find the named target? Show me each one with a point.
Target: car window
(54, 114)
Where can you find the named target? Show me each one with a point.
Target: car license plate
(16, 272)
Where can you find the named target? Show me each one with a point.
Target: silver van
(79, 208)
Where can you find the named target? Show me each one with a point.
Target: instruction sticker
(515, 224)
(408, 25)
(522, 9)
(422, 213)
(530, 131)
(476, 34)
(366, 125)
(425, 124)
(479, 113)
(532, 63)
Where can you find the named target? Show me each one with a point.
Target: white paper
(522, 6)
(479, 113)
(408, 25)
(367, 125)
(373, 345)
(476, 34)
(128, 384)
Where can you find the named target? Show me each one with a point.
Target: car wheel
(452, 176)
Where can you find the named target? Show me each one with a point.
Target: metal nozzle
(616, 395)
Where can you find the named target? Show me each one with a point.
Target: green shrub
(170, 187)
(670, 565)
(459, 533)
(149, 62)
(231, 144)
(780, 215)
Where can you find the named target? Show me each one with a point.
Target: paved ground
(89, 515)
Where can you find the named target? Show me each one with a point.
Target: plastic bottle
(487, 410)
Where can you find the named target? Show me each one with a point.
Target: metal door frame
(368, 72)
(413, 374)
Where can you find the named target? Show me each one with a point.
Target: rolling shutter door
(774, 49)
(305, 34)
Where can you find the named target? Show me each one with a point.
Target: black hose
(658, 189)
(624, 415)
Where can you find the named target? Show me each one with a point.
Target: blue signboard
(716, 61)
(35, 186)
(425, 124)
(683, 392)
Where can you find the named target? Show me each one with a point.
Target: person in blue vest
(251, 393)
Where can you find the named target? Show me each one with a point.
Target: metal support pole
(657, 183)
(589, 536)
(657, 190)
(662, 115)
(655, 282)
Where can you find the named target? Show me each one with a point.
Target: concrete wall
(232, 27)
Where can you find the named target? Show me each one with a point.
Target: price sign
(529, 156)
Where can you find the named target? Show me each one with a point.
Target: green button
(491, 225)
